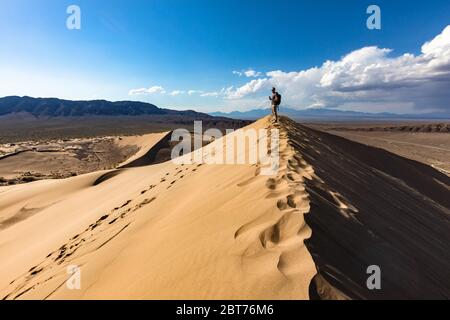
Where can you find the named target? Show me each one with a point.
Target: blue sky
(171, 47)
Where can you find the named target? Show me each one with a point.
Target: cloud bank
(366, 79)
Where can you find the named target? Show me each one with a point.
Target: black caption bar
(130, 310)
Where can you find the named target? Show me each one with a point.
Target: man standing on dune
(276, 101)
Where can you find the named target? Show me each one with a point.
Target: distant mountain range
(26, 118)
(53, 107)
(329, 114)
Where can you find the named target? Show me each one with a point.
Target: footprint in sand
(61, 255)
(35, 270)
(126, 203)
(171, 184)
(144, 203)
(272, 183)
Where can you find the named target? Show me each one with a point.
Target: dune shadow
(106, 177)
(372, 207)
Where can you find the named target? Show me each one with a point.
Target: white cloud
(247, 89)
(365, 79)
(137, 91)
(210, 94)
(192, 92)
(250, 73)
(439, 46)
(177, 92)
(151, 90)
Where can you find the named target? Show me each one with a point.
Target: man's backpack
(277, 99)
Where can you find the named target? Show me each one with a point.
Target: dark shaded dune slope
(160, 152)
(371, 207)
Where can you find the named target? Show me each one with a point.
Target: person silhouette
(276, 101)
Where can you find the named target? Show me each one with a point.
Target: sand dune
(161, 231)
(27, 161)
(147, 152)
(203, 231)
(371, 207)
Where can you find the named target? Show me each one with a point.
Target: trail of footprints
(284, 232)
(91, 239)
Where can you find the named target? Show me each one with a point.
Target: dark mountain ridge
(27, 118)
(53, 107)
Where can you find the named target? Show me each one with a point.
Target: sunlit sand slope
(162, 231)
